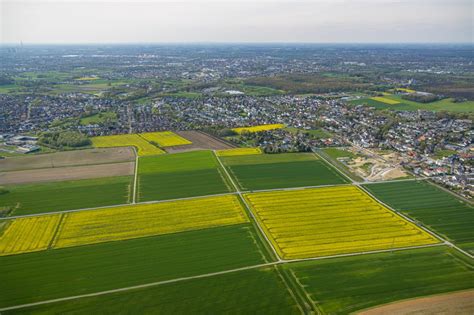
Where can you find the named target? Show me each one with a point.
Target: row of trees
(56, 139)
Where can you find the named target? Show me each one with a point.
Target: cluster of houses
(417, 135)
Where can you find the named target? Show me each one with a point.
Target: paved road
(249, 209)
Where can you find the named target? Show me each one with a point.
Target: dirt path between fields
(67, 173)
(450, 304)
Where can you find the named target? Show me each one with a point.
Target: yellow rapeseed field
(258, 128)
(28, 234)
(239, 151)
(165, 138)
(385, 100)
(143, 147)
(405, 90)
(330, 221)
(127, 222)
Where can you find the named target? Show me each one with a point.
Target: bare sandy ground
(200, 141)
(380, 169)
(67, 158)
(458, 303)
(67, 173)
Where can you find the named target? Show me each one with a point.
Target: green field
(255, 291)
(180, 175)
(66, 195)
(435, 208)
(314, 133)
(344, 285)
(99, 118)
(339, 153)
(441, 105)
(66, 272)
(269, 171)
(333, 155)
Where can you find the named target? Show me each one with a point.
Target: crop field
(165, 138)
(261, 289)
(69, 173)
(68, 158)
(267, 171)
(339, 153)
(401, 104)
(345, 285)
(188, 174)
(28, 234)
(239, 151)
(143, 147)
(66, 195)
(119, 223)
(258, 128)
(330, 221)
(385, 100)
(435, 208)
(405, 90)
(70, 271)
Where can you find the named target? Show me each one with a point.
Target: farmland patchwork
(119, 223)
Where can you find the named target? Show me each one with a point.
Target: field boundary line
(378, 251)
(135, 287)
(417, 223)
(293, 188)
(395, 181)
(57, 231)
(241, 197)
(431, 182)
(298, 282)
(292, 294)
(135, 179)
(65, 166)
(171, 200)
(117, 205)
(207, 275)
(316, 154)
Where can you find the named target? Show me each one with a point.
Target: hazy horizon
(236, 22)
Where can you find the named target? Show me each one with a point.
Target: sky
(165, 21)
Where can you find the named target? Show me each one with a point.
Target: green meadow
(430, 205)
(66, 195)
(180, 175)
(269, 171)
(345, 285)
(66, 272)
